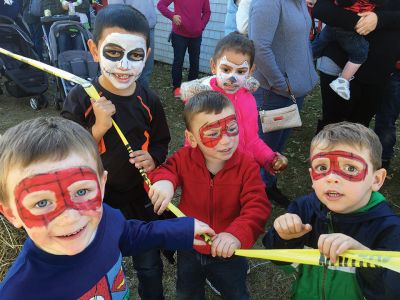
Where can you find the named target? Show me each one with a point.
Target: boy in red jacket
(221, 186)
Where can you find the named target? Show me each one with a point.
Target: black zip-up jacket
(136, 115)
(384, 41)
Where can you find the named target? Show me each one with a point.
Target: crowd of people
(80, 197)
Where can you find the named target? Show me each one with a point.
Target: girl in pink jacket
(232, 64)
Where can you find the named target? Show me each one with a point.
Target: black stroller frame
(21, 80)
(76, 61)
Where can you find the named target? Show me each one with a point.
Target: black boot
(275, 195)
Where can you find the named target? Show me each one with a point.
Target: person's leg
(386, 116)
(228, 275)
(37, 38)
(194, 57)
(145, 77)
(179, 43)
(149, 268)
(321, 41)
(191, 276)
(334, 108)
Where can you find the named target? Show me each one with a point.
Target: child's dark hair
(205, 102)
(122, 16)
(235, 42)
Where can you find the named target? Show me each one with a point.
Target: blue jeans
(149, 268)
(145, 77)
(180, 44)
(276, 140)
(37, 38)
(355, 45)
(387, 114)
(228, 275)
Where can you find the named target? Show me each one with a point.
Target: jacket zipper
(330, 230)
(211, 202)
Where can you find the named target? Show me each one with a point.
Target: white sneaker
(341, 87)
(213, 288)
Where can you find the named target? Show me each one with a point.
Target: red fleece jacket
(234, 201)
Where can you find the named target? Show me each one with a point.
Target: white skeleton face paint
(122, 58)
(231, 77)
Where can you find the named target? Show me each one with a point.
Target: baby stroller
(67, 45)
(21, 80)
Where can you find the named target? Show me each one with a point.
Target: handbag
(281, 118)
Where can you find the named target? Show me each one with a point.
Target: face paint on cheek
(122, 58)
(231, 80)
(211, 134)
(347, 165)
(57, 185)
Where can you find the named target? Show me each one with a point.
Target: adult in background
(230, 17)
(386, 116)
(147, 8)
(280, 30)
(382, 30)
(35, 28)
(189, 19)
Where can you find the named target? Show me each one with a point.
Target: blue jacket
(97, 270)
(378, 228)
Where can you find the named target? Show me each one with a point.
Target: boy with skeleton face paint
(220, 184)
(121, 46)
(344, 212)
(232, 64)
(52, 184)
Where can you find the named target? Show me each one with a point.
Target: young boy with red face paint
(121, 46)
(52, 184)
(220, 185)
(346, 211)
(232, 65)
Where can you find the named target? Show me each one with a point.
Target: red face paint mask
(59, 185)
(211, 134)
(345, 164)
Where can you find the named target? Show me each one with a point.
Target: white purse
(281, 118)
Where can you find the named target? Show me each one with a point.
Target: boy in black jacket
(121, 45)
(345, 212)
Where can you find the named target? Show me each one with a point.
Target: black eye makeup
(115, 52)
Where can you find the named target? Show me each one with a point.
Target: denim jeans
(145, 77)
(228, 275)
(180, 44)
(149, 268)
(276, 140)
(37, 38)
(387, 114)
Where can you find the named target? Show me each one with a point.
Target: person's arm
(255, 208)
(242, 16)
(205, 13)
(162, 6)
(333, 15)
(381, 283)
(264, 21)
(159, 133)
(388, 15)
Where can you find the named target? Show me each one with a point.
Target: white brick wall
(212, 34)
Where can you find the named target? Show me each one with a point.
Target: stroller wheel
(39, 102)
(58, 103)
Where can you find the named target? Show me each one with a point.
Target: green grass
(265, 280)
